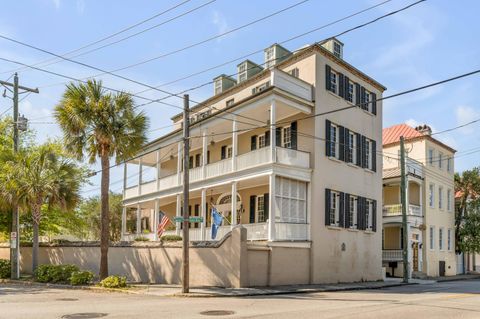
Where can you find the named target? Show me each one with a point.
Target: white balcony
(392, 255)
(259, 157)
(292, 84)
(396, 210)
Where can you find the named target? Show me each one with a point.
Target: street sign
(178, 219)
(196, 219)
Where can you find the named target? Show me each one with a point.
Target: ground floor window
(291, 200)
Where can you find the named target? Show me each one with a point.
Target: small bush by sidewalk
(81, 278)
(55, 273)
(114, 281)
(5, 268)
(171, 238)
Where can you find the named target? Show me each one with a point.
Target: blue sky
(431, 41)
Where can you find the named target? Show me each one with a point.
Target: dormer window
(337, 50)
(269, 57)
(218, 86)
(242, 72)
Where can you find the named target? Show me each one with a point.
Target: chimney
(424, 129)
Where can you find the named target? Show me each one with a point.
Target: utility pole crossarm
(20, 87)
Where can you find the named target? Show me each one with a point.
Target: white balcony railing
(396, 210)
(392, 255)
(291, 84)
(248, 160)
(287, 231)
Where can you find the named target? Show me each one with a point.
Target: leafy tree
(467, 189)
(102, 126)
(470, 229)
(41, 176)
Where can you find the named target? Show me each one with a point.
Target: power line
(106, 37)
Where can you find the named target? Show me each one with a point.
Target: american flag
(162, 224)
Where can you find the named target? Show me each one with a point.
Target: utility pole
(14, 235)
(186, 190)
(403, 197)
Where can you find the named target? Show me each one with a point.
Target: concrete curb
(68, 287)
(453, 278)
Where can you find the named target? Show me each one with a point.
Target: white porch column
(156, 209)
(204, 154)
(139, 219)
(178, 213)
(179, 163)
(234, 146)
(124, 178)
(271, 208)
(158, 175)
(124, 221)
(273, 135)
(203, 213)
(309, 209)
(140, 172)
(234, 204)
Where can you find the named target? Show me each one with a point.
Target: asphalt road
(459, 299)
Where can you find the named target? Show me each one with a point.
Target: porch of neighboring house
(392, 243)
(250, 208)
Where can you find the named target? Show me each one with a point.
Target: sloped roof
(392, 134)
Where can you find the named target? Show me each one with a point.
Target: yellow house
(430, 198)
(272, 153)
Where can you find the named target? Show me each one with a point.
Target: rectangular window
(368, 153)
(440, 160)
(261, 141)
(352, 149)
(449, 164)
(287, 137)
(242, 72)
(197, 160)
(350, 90)
(333, 82)
(337, 50)
(230, 102)
(218, 86)
(229, 151)
(449, 239)
(333, 140)
(440, 238)
(269, 57)
(440, 197)
(353, 211)
(367, 104)
(430, 156)
(335, 208)
(431, 190)
(432, 238)
(449, 200)
(369, 214)
(261, 209)
(295, 72)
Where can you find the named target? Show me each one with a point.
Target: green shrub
(171, 238)
(55, 273)
(114, 281)
(141, 238)
(5, 268)
(81, 278)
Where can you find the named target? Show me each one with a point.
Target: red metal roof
(392, 134)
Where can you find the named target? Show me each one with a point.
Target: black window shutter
(278, 136)
(364, 151)
(347, 210)
(253, 143)
(197, 160)
(197, 213)
(364, 211)
(374, 216)
(190, 162)
(346, 80)
(341, 138)
(346, 144)
(362, 98)
(359, 212)
(373, 98)
(374, 156)
(266, 204)
(293, 134)
(267, 138)
(208, 157)
(328, 71)
(328, 198)
(357, 94)
(341, 85)
(223, 152)
(328, 126)
(341, 211)
(252, 208)
(359, 149)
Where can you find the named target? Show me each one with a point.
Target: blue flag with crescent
(216, 222)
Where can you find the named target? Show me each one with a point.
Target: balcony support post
(204, 154)
(234, 145)
(273, 135)
(140, 172)
(271, 208)
(179, 163)
(124, 178)
(158, 174)
(234, 204)
(139, 219)
(156, 210)
(124, 221)
(178, 213)
(203, 212)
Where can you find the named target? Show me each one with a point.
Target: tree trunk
(36, 211)
(105, 218)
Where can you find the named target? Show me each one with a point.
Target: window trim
(432, 238)
(286, 134)
(440, 239)
(431, 195)
(335, 205)
(334, 142)
(431, 153)
(334, 82)
(257, 210)
(353, 213)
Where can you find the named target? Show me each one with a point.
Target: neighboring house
(430, 198)
(467, 262)
(258, 137)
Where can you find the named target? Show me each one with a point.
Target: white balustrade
(288, 231)
(149, 187)
(131, 192)
(293, 157)
(396, 210)
(256, 231)
(392, 255)
(291, 84)
(169, 182)
(195, 174)
(219, 168)
(253, 158)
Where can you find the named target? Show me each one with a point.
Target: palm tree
(102, 125)
(41, 176)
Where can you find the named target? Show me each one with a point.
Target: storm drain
(67, 299)
(217, 312)
(85, 315)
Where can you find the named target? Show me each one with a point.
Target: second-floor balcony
(396, 210)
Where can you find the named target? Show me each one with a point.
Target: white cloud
(465, 114)
(220, 22)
